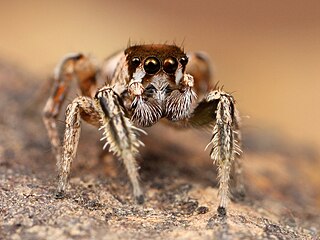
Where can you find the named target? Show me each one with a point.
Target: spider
(143, 85)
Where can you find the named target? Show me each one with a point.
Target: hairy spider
(144, 84)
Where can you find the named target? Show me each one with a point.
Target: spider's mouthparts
(145, 113)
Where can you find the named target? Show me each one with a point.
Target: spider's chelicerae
(143, 84)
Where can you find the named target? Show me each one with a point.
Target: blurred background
(266, 52)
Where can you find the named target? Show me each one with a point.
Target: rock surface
(179, 180)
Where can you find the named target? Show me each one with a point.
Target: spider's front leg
(219, 106)
(120, 134)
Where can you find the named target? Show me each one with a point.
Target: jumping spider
(143, 84)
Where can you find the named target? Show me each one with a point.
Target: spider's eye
(184, 60)
(170, 65)
(151, 65)
(135, 62)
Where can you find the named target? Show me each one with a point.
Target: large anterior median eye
(170, 65)
(152, 65)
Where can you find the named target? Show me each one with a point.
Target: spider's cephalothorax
(144, 83)
(157, 85)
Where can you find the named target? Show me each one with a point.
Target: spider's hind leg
(73, 67)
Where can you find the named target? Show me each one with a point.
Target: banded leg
(120, 135)
(81, 107)
(73, 67)
(219, 106)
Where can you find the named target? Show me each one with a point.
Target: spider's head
(153, 63)
(156, 79)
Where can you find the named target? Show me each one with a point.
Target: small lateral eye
(170, 65)
(135, 62)
(151, 65)
(184, 60)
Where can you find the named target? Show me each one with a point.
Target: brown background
(266, 52)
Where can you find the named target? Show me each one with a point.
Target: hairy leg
(81, 107)
(218, 108)
(120, 134)
(72, 67)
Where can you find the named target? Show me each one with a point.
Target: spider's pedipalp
(178, 103)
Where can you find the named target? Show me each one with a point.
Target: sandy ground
(179, 180)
